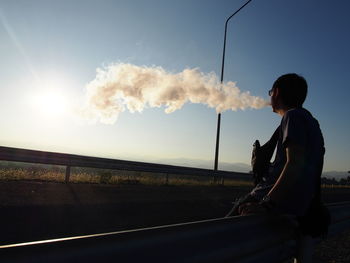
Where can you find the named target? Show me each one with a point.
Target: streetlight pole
(221, 80)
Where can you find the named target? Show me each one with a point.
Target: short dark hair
(292, 89)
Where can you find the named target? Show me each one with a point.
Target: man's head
(288, 91)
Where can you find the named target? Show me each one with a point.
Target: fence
(71, 160)
(236, 239)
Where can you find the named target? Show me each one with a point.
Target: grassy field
(55, 173)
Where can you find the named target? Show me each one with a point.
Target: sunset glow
(51, 103)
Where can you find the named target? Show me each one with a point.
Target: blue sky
(62, 43)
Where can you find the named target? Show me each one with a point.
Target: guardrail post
(67, 174)
(214, 178)
(166, 179)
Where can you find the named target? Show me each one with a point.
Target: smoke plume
(125, 86)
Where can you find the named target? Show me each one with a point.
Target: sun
(50, 95)
(51, 103)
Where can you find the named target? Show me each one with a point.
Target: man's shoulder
(298, 112)
(299, 120)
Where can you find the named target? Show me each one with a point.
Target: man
(293, 179)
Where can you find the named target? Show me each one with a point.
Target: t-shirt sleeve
(293, 129)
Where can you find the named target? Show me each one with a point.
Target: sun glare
(49, 96)
(51, 103)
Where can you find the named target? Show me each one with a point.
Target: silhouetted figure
(291, 183)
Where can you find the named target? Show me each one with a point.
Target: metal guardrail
(72, 160)
(237, 239)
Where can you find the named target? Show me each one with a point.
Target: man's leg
(305, 249)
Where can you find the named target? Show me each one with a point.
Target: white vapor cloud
(125, 86)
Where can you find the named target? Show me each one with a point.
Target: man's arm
(293, 168)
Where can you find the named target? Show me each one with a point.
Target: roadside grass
(55, 173)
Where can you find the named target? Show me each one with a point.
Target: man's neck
(282, 110)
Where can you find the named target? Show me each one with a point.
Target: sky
(52, 53)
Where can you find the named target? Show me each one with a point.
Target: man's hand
(251, 208)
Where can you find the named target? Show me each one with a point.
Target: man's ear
(276, 92)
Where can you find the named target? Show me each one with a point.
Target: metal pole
(221, 80)
(67, 174)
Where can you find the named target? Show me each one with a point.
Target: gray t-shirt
(301, 128)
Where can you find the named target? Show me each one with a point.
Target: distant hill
(234, 167)
(336, 174)
(206, 164)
